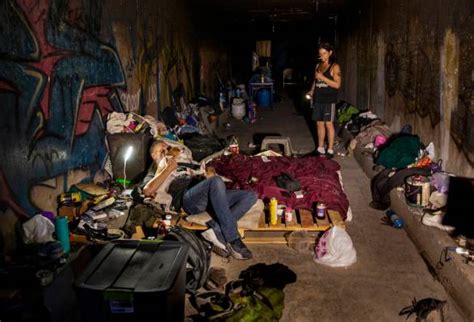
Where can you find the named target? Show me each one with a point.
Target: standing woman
(327, 81)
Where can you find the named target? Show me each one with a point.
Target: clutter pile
(400, 160)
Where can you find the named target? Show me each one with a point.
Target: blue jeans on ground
(228, 206)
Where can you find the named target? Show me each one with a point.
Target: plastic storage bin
(134, 281)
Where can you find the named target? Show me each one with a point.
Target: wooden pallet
(303, 219)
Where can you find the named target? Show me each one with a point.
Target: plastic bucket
(417, 191)
(238, 109)
(264, 98)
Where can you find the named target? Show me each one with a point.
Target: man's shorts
(324, 112)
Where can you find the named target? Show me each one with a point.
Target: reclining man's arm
(153, 185)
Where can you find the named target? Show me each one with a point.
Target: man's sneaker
(238, 250)
(435, 221)
(217, 241)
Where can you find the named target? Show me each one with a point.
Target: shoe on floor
(238, 250)
(435, 221)
(330, 154)
(217, 241)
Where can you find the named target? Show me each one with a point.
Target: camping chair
(288, 78)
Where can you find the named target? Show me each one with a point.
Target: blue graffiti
(34, 147)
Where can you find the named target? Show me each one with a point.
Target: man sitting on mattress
(196, 194)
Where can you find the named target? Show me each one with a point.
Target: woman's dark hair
(327, 46)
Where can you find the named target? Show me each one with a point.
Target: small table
(254, 87)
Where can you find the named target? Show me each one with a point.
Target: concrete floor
(389, 271)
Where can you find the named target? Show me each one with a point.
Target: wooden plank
(241, 232)
(265, 240)
(336, 219)
(324, 224)
(306, 218)
(261, 221)
(282, 227)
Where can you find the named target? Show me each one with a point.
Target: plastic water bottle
(396, 221)
(221, 101)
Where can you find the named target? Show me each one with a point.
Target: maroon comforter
(318, 177)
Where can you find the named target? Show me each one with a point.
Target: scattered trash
(393, 219)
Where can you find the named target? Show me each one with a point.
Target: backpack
(199, 257)
(202, 145)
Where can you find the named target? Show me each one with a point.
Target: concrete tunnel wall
(65, 65)
(411, 63)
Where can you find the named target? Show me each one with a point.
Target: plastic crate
(135, 281)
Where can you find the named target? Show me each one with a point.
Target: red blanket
(317, 175)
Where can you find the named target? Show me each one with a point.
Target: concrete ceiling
(273, 10)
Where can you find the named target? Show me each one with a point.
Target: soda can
(321, 211)
(288, 214)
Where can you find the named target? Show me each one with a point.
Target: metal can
(321, 211)
(167, 221)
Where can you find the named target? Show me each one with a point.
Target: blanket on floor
(318, 177)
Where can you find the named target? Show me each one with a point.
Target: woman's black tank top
(322, 92)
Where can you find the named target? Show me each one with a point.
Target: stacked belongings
(405, 162)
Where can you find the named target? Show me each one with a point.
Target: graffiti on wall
(57, 81)
(413, 75)
(462, 118)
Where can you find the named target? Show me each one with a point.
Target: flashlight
(308, 97)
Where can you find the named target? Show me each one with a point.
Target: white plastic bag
(335, 249)
(38, 229)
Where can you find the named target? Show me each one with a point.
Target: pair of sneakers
(320, 151)
(235, 248)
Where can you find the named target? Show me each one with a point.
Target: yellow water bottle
(273, 211)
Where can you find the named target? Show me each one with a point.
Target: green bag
(255, 308)
(345, 114)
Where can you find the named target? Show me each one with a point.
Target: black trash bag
(287, 182)
(202, 145)
(169, 117)
(262, 275)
